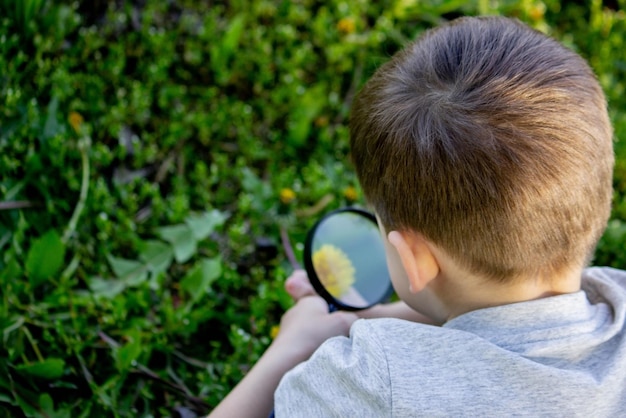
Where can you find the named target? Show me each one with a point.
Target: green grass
(141, 270)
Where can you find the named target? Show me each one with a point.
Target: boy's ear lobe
(418, 260)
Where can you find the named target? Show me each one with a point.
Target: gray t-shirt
(562, 356)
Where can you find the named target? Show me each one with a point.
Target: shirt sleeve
(344, 377)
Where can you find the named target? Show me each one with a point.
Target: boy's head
(493, 142)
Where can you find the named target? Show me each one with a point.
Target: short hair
(494, 142)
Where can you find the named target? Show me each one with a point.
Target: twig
(17, 204)
(288, 248)
(154, 376)
(90, 380)
(316, 208)
(110, 341)
(190, 360)
(85, 370)
(178, 380)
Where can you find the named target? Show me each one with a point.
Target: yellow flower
(334, 269)
(287, 195)
(76, 120)
(350, 193)
(346, 25)
(274, 331)
(537, 11)
(321, 121)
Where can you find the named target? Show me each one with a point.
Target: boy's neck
(460, 292)
(490, 295)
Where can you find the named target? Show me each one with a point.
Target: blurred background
(152, 150)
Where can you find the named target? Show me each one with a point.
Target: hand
(298, 285)
(303, 329)
(305, 326)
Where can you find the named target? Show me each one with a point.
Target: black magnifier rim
(314, 279)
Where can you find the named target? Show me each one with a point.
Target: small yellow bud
(537, 12)
(287, 195)
(274, 331)
(321, 121)
(346, 25)
(76, 120)
(350, 193)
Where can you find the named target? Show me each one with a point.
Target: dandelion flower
(537, 12)
(287, 195)
(274, 331)
(350, 193)
(334, 269)
(321, 121)
(346, 25)
(76, 120)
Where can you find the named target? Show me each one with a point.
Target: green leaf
(222, 51)
(51, 368)
(46, 404)
(26, 406)
(197, 281)
(52, 126)
(231, 37)
(203, 225)
(302, 116)
(106, 288)
(14, 191)
(11, 272)
(4, 398)
(131, 272)
(9, 325)
(157, 255)
(182, 239)
(45, 258)
(128, 353)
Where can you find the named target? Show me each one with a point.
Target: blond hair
(493, 141)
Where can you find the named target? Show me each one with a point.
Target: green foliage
(150, 152)
(45, 258)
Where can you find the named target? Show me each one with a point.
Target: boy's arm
(298, 286)
(254, 395)
(398, 310)
(303, 329)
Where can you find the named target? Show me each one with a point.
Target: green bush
(151, 151)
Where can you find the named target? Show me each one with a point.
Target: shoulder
(605, 274)
(376, 370)
(344, 375)
(604, 282)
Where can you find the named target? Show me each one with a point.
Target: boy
(485, 150)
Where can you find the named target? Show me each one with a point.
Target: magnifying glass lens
(347, 259)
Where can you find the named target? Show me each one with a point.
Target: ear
(418, 260)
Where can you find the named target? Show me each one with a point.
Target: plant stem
(33, 344)
(83, 146)
(288, 248)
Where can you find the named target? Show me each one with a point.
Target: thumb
(298, 285)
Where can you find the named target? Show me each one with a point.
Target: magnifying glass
(344, 257)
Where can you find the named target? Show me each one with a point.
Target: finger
(298, 285)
